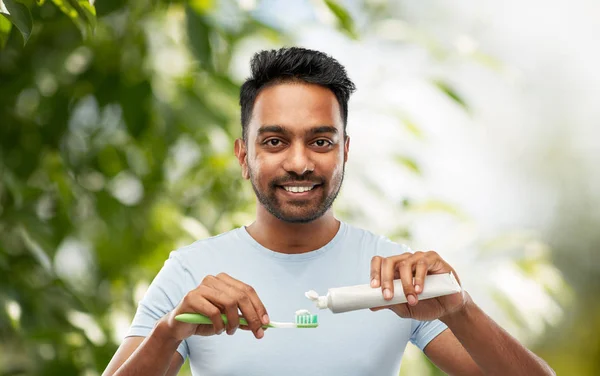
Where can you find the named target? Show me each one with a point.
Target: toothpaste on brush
(352, 298)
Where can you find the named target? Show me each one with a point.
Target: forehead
(297, 107)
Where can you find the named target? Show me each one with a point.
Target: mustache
(292, 177)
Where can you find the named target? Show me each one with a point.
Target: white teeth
(298, 189)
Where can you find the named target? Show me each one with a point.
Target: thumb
(402, 310)
(375, 309)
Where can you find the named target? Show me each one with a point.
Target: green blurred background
(472, 134)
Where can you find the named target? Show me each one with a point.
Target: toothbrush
(303, 319)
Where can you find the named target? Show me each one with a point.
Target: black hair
(294, 64)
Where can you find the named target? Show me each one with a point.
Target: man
(293, 150)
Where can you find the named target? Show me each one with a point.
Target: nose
(298, 160)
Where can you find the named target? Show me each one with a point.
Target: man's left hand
(412, 268)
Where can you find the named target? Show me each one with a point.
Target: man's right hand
(214, 296)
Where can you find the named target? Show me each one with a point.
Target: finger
(249, 312)
(201, 302)
(405, 268)
(247, 328)
(436, 263)
(421, 268)
(376, 271)
(251, 306)
(252, 294)
(402, 310)
(387, 278)
(375, 309)
(388, 273)
(226, 298)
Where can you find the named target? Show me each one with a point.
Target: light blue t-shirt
(352, 343)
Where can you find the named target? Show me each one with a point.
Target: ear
(346, 148)
(241, 154)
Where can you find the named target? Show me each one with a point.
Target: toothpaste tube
(352, 298)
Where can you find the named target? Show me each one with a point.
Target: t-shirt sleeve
(164, 294)
(422, 332)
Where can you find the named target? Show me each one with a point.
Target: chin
(299, 221)
(298, 217)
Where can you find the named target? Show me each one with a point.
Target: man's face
(295, 151)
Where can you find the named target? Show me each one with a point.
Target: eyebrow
(323, 129)
(272, 129)
(282, 130)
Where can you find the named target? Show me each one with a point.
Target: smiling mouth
(299, 188)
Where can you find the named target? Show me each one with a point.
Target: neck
(292, 238)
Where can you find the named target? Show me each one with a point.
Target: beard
(299, 210)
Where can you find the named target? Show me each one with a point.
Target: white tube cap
(322, 302)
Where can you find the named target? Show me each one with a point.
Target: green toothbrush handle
(196, 318)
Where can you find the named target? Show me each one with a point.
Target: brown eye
(273, 142)
(322, 143)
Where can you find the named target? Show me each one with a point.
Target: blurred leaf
(430, 206)
(136, 102)
(14, 187)
(66, 8)
(450, 92)
(20, 16)
(87, 10)
(372, 186)
(201, 6)
(488, 60)
(36, 250)
(84, 16)
(400, 234)
(343, 16)
(105, 7)
(258, 27)
(198, 31)
(407, 122)
(411, 127)
(409, 163)
(5, 27)
(508, 307)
